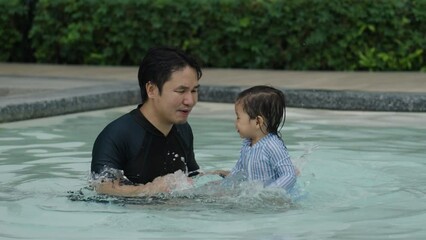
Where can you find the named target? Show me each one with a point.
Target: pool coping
(80, 99)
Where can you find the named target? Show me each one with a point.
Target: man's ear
(150, 89)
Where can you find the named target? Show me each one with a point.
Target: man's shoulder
(185, 132)
(120, 122)
(123, 125)
(183, 127)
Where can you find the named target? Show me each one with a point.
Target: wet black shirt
(132, 144)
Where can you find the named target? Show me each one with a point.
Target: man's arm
(118, 188)
(163, 184)
(222, 173)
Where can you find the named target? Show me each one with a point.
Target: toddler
(260, 114)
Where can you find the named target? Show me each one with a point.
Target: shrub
(274, 34)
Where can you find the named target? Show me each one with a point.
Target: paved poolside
(39, 90)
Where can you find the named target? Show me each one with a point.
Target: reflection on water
(362, 177)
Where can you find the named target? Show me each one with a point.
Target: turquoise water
(362, 178)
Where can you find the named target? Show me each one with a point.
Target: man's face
(178, 97)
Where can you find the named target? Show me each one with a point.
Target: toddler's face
(245, 126)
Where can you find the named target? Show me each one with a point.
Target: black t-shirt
(132, 144)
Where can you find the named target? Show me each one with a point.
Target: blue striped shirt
(267, 161)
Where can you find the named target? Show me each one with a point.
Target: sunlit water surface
(362, 177)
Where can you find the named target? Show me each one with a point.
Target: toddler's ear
(259, 121)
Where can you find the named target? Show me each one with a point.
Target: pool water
(362, 177)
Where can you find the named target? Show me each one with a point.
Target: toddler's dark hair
(267, 102)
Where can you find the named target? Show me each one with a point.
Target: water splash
(303, 159)
(209, 191)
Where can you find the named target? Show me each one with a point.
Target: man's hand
(164, 184)
(222, 173)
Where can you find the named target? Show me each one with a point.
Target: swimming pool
(362, 178)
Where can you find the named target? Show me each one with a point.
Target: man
(138, 153)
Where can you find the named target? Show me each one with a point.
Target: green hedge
(274, 34)
(12, 14)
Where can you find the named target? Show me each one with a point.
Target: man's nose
(190, 98)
